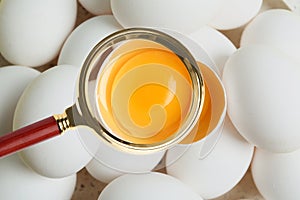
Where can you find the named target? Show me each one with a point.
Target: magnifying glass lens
(140, 89)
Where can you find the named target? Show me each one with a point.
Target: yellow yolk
(144, 95)
(213, 106)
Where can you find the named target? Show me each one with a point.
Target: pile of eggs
(261, 78)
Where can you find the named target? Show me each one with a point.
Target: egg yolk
(144, 95)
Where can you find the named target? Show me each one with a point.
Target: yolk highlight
(144, 95)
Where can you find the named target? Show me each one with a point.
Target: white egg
(109, 163)
(276, 175)
(17, 78)
(263, 99)
(96, 7)
(147, 187)
(51, 93)
(20, 182)
(17, 180)
(182, 16)
(33, 31)
(198, 52)
(218, 172)
(102, 172)
(217, 46)
(277, 28)
(236, 13)
(85, 37)
(200, 164)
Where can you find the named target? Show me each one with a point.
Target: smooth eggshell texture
(20, 182)
(276, 175)
(17, 78)
(33, 31)
(277, 28)
(17, 180)
(197, 51)
(147, 187)
(263, 97)
(96, 7)
(236, 13)
(51, 93)
(102, 172)
(183, 16)
(82, 40)
(217, 46)
(218, 172)
(109, 163)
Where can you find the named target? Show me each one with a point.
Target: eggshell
(109, 163)
(277, 28)
(276, 175)
(33, 31)
(96, 7)
(236, 13)
(17, 180)
(182, 16)
(263, 102)
(82, 40)
(147, 187)
(217, 46)
(197, 51)
(101, 172)
(20, 182)
(217, 173)
(51, 93)
(17, 78)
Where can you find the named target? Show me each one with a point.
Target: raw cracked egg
(217, 46)
(218, 157)
(263, 97)
(51, 93)
(214, 173)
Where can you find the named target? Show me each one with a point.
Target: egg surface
(82, 40)
(33, 31)
(148, 186)
(217, 45)
(109, 163)
(219, 171)
(277, 28)
(236, 13)
(17, 78)
(17, 180)
(276, 175)
(20, 182)
(178, 15)
(51, 93)
(96, 7)
(263, 102)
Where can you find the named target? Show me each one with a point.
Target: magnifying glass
(139, 89)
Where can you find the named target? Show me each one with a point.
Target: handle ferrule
(33, 134)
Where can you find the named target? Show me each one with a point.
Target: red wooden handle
(28, 135)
